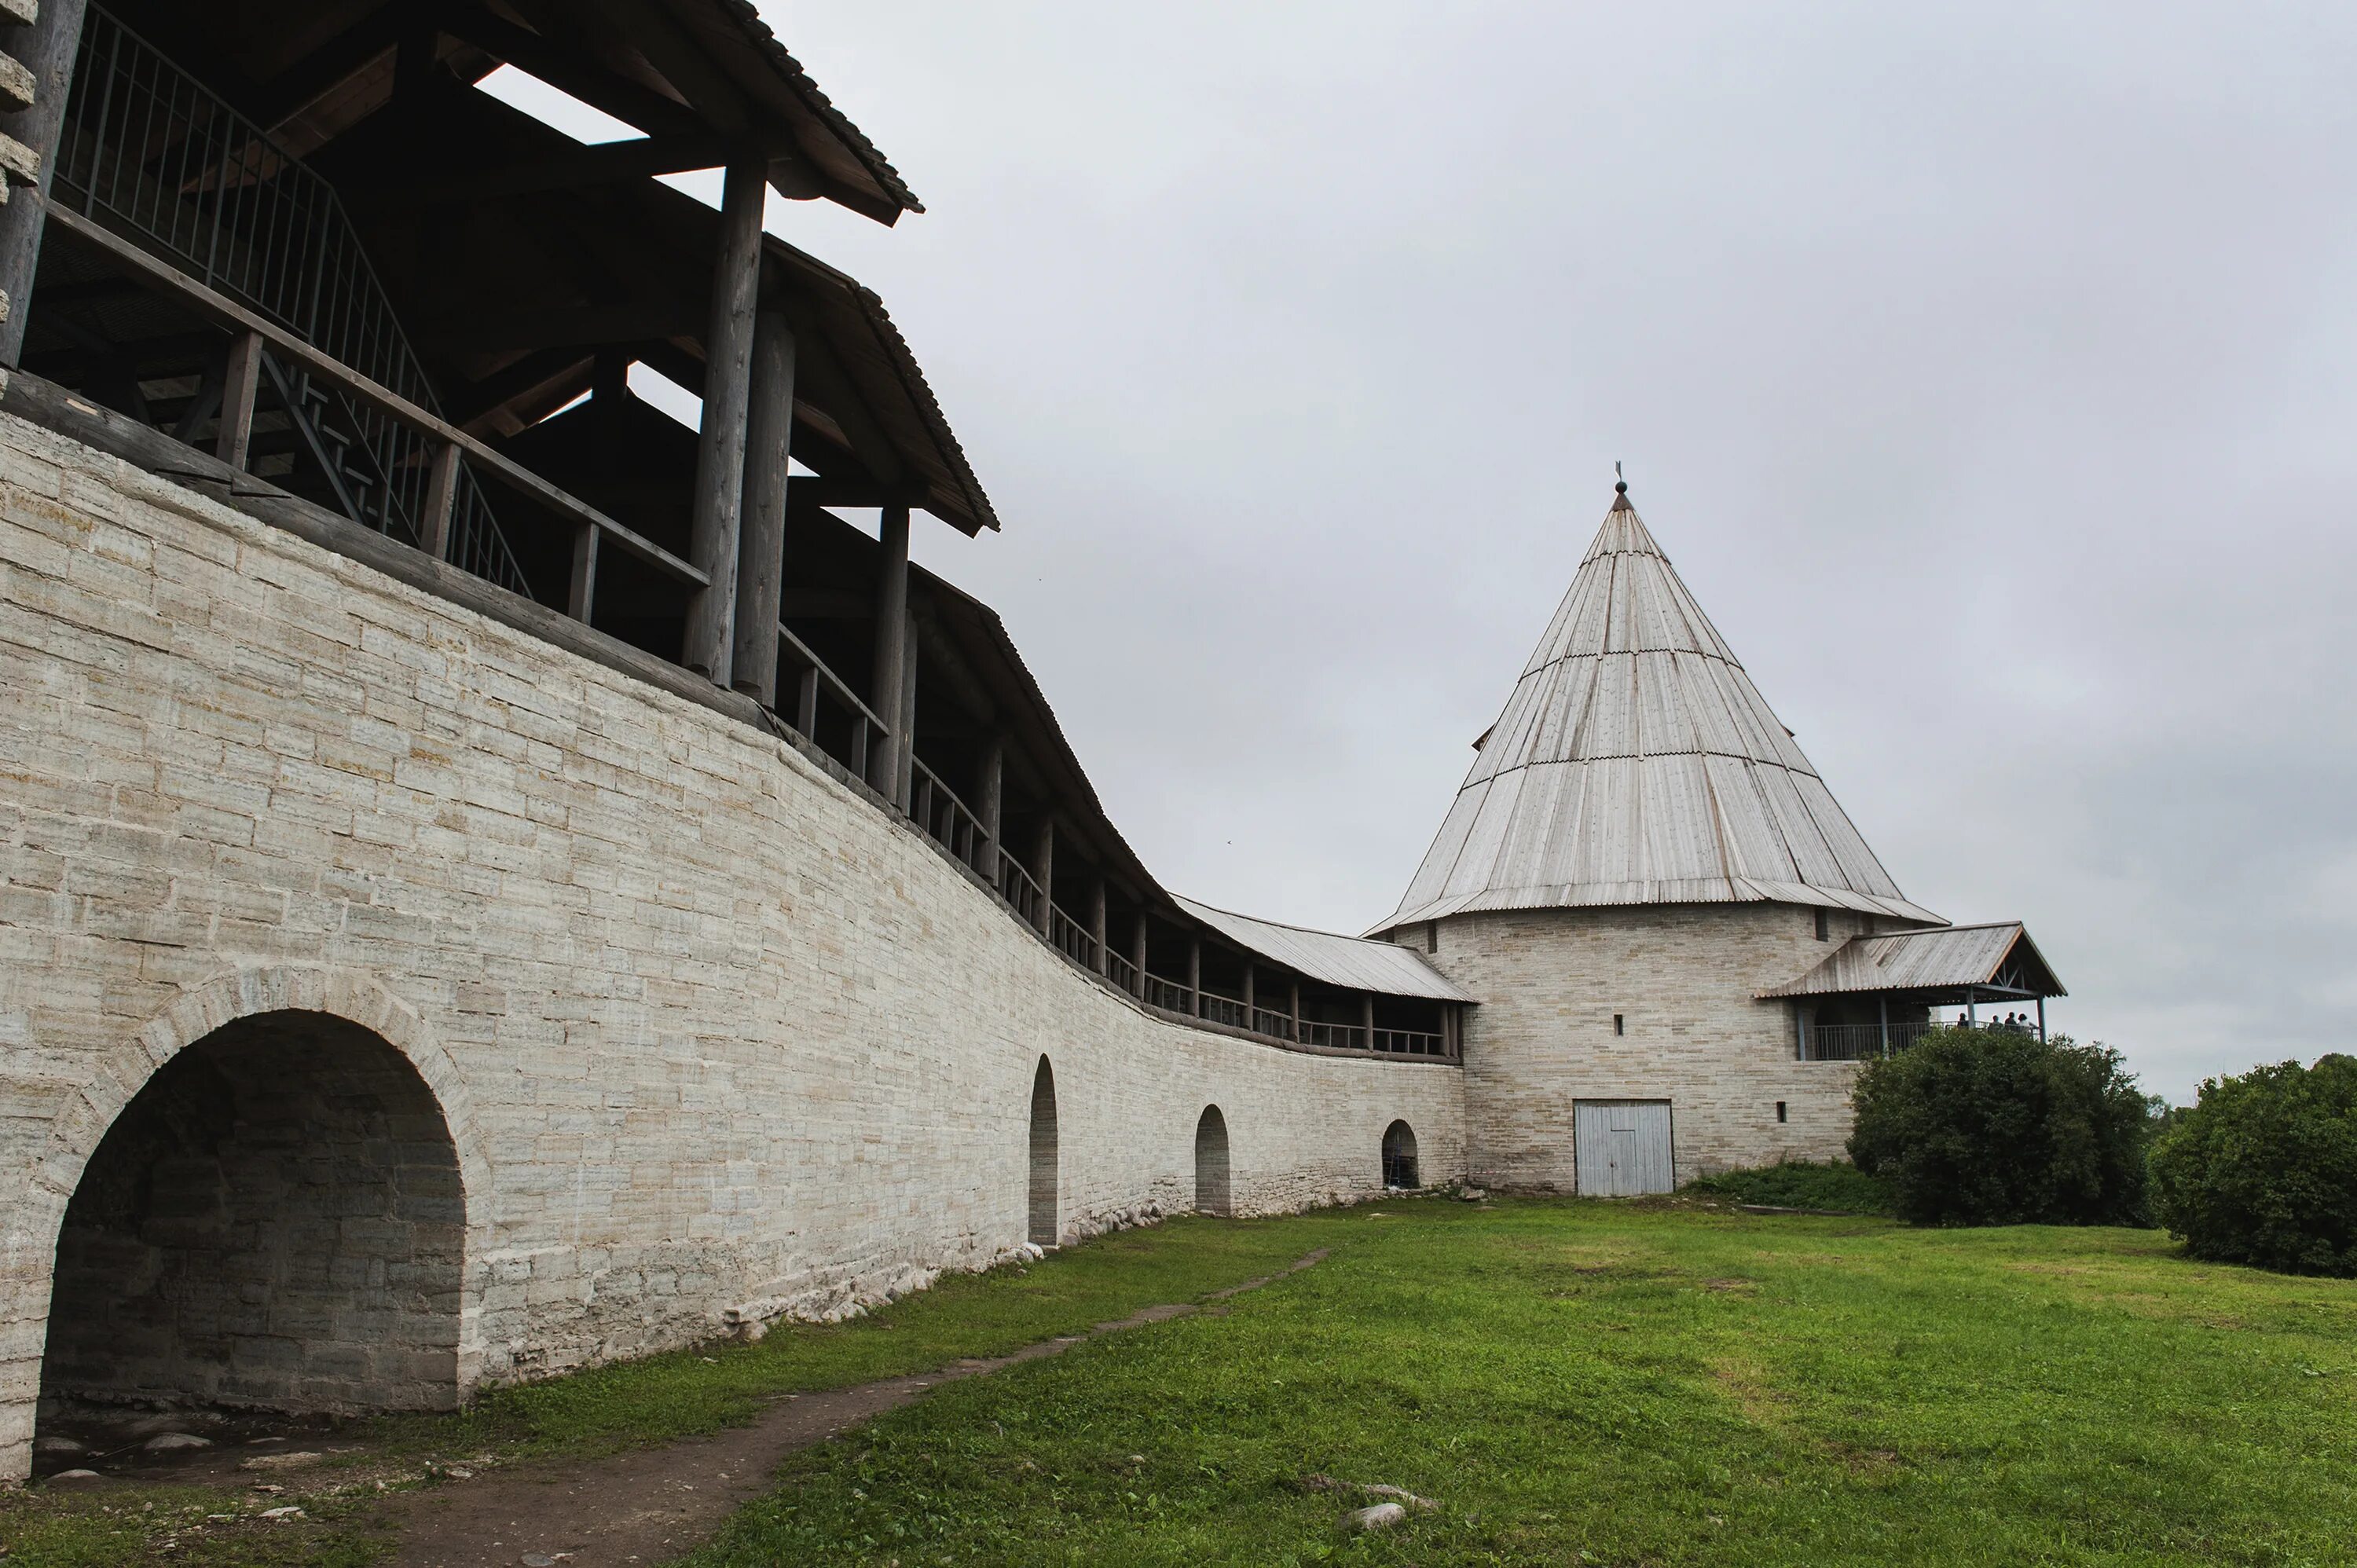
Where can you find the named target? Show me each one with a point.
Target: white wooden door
(1620, 1148)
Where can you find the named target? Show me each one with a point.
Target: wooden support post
(906, 724)
(1882, 1017)
(761, 562)
(1137, 951)
(806, 704)
(1195, 976)
(1251, 1002)
(990, 805)
(47, 51)
(2042, 1020)
(241, 384)
(1367, 1017)
(581, 597)
(1100, 961)
(891, 639)
(1043, 871)
(441, 501)
(1972, 1008)
(720, 448)
(1296, 999)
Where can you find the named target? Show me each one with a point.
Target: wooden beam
(581, 596)
(487, 462)
(571, 69)
(532, 376)
(47, 50)
(904, 787)
(441, 501)
(718, 503)
(565, 168)
(1097, 931)
(761, 571)
(491, 330)
(1043, 868)
(831, 388)
(692, 73)
(891, 632)
(990, 803)
(241, 384)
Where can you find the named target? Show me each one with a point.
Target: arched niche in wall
(1211, 1172)
(1044, 1218)
(1399, 1156)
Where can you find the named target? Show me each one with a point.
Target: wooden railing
(1072, 939)
(934, 807)
(1277, 1025)
(1333, 1036)
(1022, 894)
(1219, 1009)
(1410, 1042)
(1169, 996)
(816, 681)
(1860, 1042)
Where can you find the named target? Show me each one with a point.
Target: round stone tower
(1639, 851)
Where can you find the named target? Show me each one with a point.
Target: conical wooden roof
(1636, 763)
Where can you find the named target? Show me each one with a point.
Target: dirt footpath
(654, 1504)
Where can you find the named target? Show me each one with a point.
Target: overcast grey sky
(1987, 371)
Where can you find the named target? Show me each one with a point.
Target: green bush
(2263, 1169)
(1997, 1127)
(1834, 1185)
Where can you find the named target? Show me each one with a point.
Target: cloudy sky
(1989, 373)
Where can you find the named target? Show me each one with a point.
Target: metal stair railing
(154, 155)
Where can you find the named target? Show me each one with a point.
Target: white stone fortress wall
(710, 1037)
(1683, 977)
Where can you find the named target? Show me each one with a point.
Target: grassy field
(1574, 1382)
(1620, 1384)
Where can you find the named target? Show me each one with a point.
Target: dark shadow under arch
(1211, 1172)
(1044, 1218)
(1399, 1156)
(275, 1222)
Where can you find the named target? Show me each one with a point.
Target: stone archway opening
(276, 1222)
(1211, 1162)
(1043, 1216)
(1399, 1157)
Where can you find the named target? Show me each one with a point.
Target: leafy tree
(1997, 1127)
(2263, 1169)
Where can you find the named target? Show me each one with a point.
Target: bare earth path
(654, 1504)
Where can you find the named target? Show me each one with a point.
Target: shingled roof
(1635, 763)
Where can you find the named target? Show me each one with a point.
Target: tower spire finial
(1619, 489)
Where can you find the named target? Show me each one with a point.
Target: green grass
(1834, 1185)
(1649, 1383)
(658, 1399)
(1642, 1384)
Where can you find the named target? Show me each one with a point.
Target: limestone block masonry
(1682, 978)
(715, 1039)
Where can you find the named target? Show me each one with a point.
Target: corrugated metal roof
(1352, 963)
(1635, 763)
(1930, 960)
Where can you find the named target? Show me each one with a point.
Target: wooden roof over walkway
(1997, 960)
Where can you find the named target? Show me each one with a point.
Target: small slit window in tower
(1620, 1024)
(1432, 936)
(1780, 1111)
(1824, 927)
